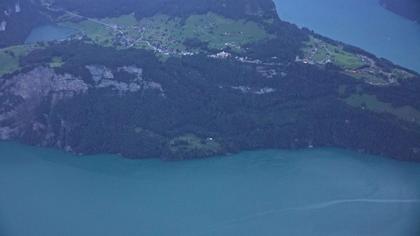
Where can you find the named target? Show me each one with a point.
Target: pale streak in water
(321, 205)
(360, 200)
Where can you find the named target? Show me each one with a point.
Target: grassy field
(98, 33)
(9, 57)
(367, 77)
(168, 34)
(190, 143)
(371, 102)
(220, 32)
(162, 32)
(56, 62)
(321, 52)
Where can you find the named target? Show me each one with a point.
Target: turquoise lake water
(47, 33)
(363, 23)
(310, 192)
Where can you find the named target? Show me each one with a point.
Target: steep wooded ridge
(407, 8)
(197, 79)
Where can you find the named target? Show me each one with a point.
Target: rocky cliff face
(22, 95)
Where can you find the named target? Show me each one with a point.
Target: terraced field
(372, 103)
(320, 52)
(9, 57)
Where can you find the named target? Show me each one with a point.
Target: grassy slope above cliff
(167, 35)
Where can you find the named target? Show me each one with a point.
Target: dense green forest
(202, 112)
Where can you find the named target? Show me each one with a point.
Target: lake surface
(363, 23)
(318, 192)
(47, 33)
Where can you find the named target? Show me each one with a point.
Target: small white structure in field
(17, 8)
(3, 25)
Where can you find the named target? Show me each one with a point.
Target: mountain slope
(201, 79)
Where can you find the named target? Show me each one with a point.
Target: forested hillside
(199, 79)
